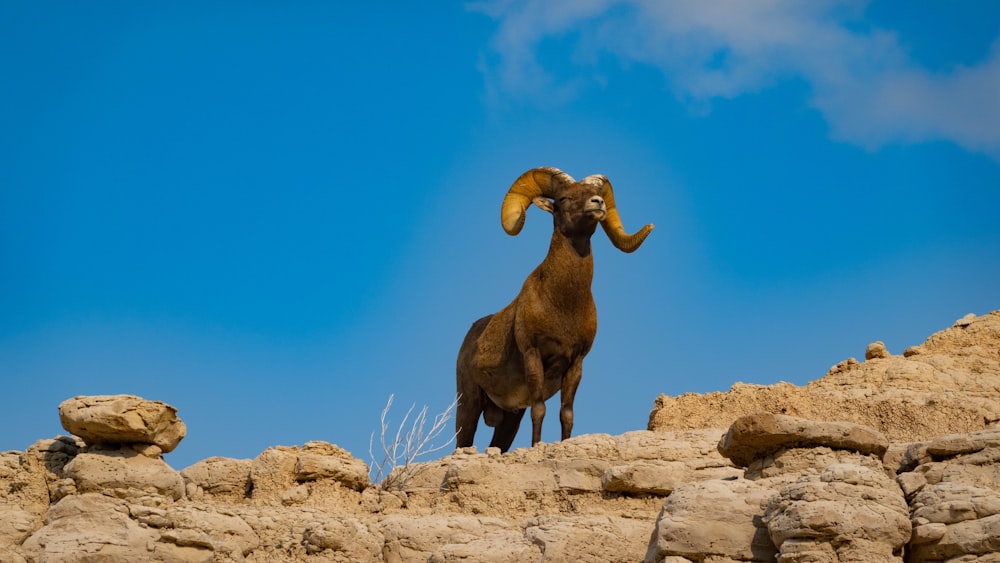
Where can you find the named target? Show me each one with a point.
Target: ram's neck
(568, 269)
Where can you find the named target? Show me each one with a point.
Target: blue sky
(273, 215)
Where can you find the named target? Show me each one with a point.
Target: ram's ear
(543, 203)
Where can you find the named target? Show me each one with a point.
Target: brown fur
(534, 347)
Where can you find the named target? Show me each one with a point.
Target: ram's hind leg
(469, 395)
(506, 430)
(467, 411)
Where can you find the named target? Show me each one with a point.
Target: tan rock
(981, 468)
(322, 460)
(452, 537)
(661, 478)
(16, 525)
(90, 527)
(124, 473)
(272, 473)
(216, 529)
(494, 548)
(596, 539)
(592, 498)
(122, 419)
(950, 503)
(720, 518)
(876, 350)
(759, 435)
(961, 541)
(219, 477)
(298, 494)
(639, 462)
(483, 471)
(699, 444)
(962, 444)
(954, 519)
(792, 465)
(318, 473)
(847, 508)
(945, 385)
(30, 480)
(344, 537)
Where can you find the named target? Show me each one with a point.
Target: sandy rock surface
(948, 384)
(896, 458)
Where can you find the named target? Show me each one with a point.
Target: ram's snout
(596, 208)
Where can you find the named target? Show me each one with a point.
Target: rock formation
(946, 385)
(890, 459)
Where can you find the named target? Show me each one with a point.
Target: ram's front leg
(535, 373)
(570, 383)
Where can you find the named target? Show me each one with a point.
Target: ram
(521, 356)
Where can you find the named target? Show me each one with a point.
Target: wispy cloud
(864, 83)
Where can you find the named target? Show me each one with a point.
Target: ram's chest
(576, 321)
(558, 334)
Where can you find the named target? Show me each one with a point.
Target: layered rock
(764, 486)
(812, 491)
(954, 496)
(719, 520)
(590, 498)
(948, 384)
(846, 513)
(108, 495)
(760, 435)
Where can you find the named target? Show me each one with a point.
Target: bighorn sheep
(520, 356)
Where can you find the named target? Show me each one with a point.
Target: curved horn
(543, 181)
(612, 224)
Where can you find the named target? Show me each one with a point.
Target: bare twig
(400, 451)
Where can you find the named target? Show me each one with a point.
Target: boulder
(218, 477)
(124, 473)
(848, 510)
(316, 473)
(758, 435)
(322, 460)
(272, 474)
(713, 519)
(876, 350)
(114, 420)
(954, 445)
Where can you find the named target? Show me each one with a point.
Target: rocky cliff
(894, 458)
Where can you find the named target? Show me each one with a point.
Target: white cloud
(523, 26)
(860, 77)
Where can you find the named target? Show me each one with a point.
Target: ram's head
(577, 206)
